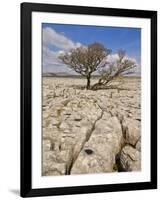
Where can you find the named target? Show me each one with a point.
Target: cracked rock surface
(87, 131)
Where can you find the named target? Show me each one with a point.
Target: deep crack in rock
(74, 158)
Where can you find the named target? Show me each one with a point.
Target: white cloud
(51, 61)
(113, 59)
(51, 37)
(49, 57)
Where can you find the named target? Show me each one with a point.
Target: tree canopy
(95, 57)
(86, 60)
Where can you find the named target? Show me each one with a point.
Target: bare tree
(86, 60)
(113, 68)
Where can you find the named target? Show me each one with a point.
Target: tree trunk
(100, 84)
(88, 82)
(96, 86)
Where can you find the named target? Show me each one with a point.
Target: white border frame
(39, 181)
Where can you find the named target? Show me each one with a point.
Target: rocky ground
(87, 131)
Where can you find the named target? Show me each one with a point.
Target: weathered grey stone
(47, 145)
(51, 166)
(98, 154)
(55, 121)
(64, 126)
(138, 145)
(77, 117)
(132, 131)
(130, 159)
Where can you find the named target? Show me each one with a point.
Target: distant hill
(63, 74)
(59, 74)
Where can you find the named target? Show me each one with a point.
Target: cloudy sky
(59, 37)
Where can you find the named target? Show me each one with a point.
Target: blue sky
(114, 38)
